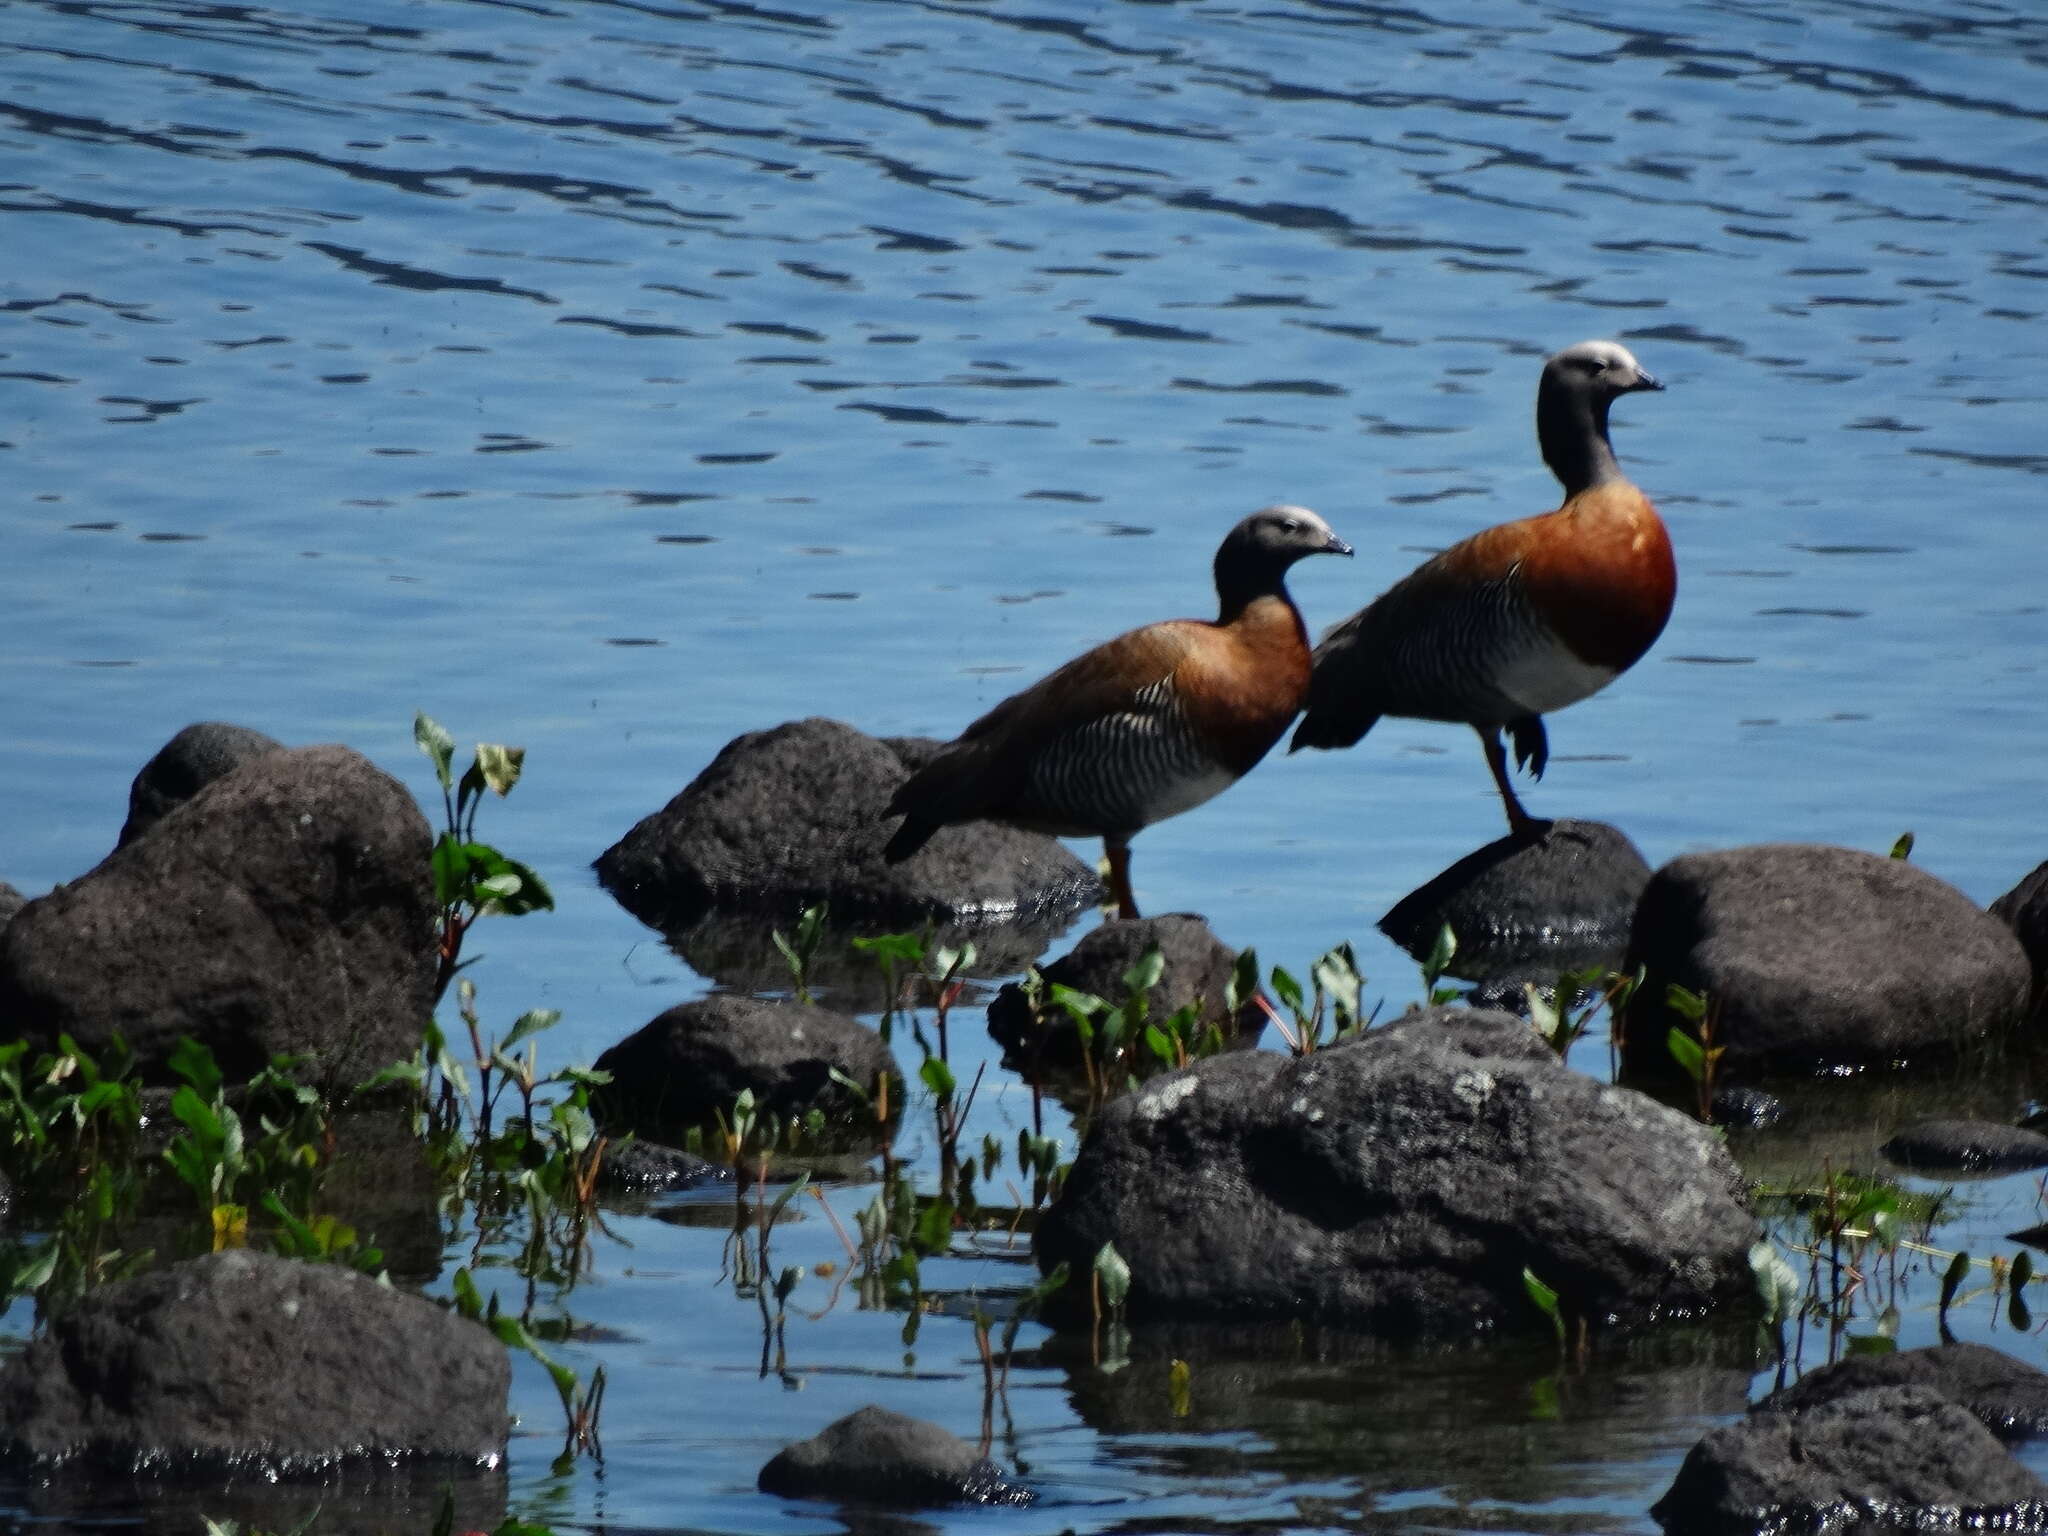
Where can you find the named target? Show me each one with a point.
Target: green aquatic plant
(472, 879)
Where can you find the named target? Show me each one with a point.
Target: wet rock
(875, 1456)
(1529, 906)
(1400, 1182)
(188, 762)
(286, 908)
(1750, 1108)
(1900, 1456)
(1967, 1146)
(2007, 1396)
(689, 1064)
(649, 1165)
(272, 1366)
(2024, 909)
(1197, 969)
(1820, 957)
(785, 818)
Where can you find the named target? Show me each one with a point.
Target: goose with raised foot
(1144, 726)
(1522, 618)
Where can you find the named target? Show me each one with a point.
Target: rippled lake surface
(613, 379)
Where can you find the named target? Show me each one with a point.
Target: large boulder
(11, 902)
(273, 1367)
(1402, 1182)
(1195, 971)
(687, 1066)
(1814, 956)
(285, 908)
(876, 1456)
(1529, 906)
(785, 818)
(1900, 1457)
(186, 764)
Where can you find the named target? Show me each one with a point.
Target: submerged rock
(875, 1456)
(1400, 1183)
(1529, 906)
(1896, 1456)
(186, 764)
(1815, 956)
(648, 1165)
(270, 1367)
(785, 818)
(284, 909)
(688, 1065)
(1196, 972)
(1967, 1146)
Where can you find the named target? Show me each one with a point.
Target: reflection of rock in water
(737, 950)
(1531, 906)
(1308, 1404)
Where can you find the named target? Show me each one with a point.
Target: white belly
(1548, 676)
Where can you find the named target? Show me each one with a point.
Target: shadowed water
(616, 378)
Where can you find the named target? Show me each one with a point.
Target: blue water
(611, 379)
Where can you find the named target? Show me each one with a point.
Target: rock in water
(876, 1456)
(284, 909)
(788, 817)
(1400, 1183)
(1815, 956)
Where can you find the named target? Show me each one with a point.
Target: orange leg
(1520, 822)
(1118, 850)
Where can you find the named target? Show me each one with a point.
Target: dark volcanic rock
(788, 817)
(286, 908)
(189, 761)
(1400, 1183)
(1902, 1456)
(1197, 967)
(11, 902)
(275, 1366)
(691, 1062)
(1529, 905)
(648, 1165)
(1819, 956)
(2007, 1396)
(2024, 909)
(874, 1456)
(1967, 1146)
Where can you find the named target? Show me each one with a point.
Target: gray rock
(2007, 1396)
(1898, 1456)
(271, 1366)
(875, 1456)
(188, 762)
(1400, 1182)
(1197, 968)
(11, 902)
(1966, 1146)
(788, 817)
(286, 908)
(1529, 907)
(689, 1064)
(1818, 956)
(2024, 909)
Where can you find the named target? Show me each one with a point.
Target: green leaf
(1160, 1044)
(937, 1076)
(1903, 848)
(432, 739)
(1114, 1273)
(1244, 980)
(467, 1301)
(894, 948)
(499, 765)
(1687, 1052)
(1144, 976)
(1686, 1003)
(1441, 954)
(1545, 1299)
(1777, 1283)
(1288, 990)
(529, 1023)
(1952, 1278)
(195, 1064)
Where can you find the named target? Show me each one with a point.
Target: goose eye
(1290, 525)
